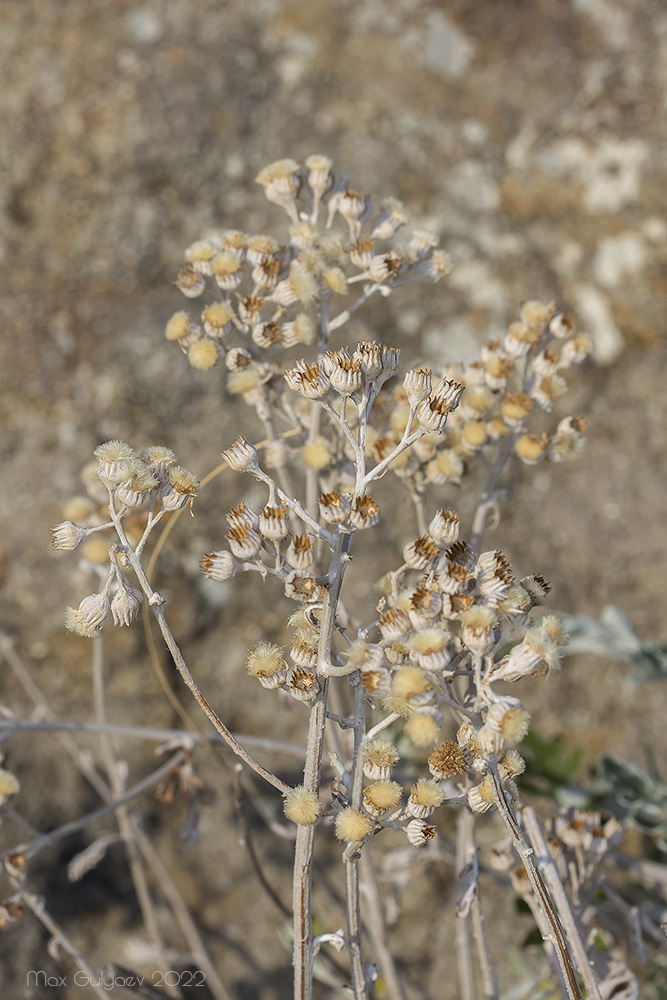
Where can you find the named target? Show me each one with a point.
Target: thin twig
(92, 978)
(137, 871)
(265, 743)
(38, 844)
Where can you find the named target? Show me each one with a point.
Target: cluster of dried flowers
(150, 479)
(453, 621)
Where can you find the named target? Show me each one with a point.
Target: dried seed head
(135, 481)
(552, 626)
(266, 660)
(308, 380)
(515, 407)
(67, 536)
(447, 466)
(412, 684)
(420, 553)
(568, 441)
(178, 327)
(216, 316)
(447, 760)
(113, 457)
(334, 281)
(423, 727)
(345, 373)
(531, 448)
(417, 385)
(393, 216)
(316, 454)
(352, 826)
(303, 684)
(302, 806)
(432, 413)
(481, 797)
(382, 795)
(88, 619)
(202, 354)
(478, 628)
(238, 359)
(181, 486)
(199, 253)
(301, 552)
(511, 764)
(319, 172)
(190, 282)
(301, 586)
(304, 649)
(158, 459)
(536, 655)
(425, 797)
(429, 648)
(280, 181)
(394, 624)
(362, 655)
(274, 522)
(227, 269)
(219, 566)
(444, 526)
(419, 833)
(378, 757)
(125, 604)
(241, 456)
(537, 587)
(243, 514)
(9, 784)
(245, 542)
(365, 512)
(334, 507)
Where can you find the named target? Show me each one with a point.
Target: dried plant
(420, 721)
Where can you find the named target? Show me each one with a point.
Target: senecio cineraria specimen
(452, 621)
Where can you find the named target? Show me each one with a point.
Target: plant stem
(351, 857)
(565, 911)
(537, 882)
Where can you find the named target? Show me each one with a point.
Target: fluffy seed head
(410, 682)
(316, 454)
(422, 728)
(382, 795)
(178, 326)
(302, 806)
(88, 619)
(265, 659)
(352, 825)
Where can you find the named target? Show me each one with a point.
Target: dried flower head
(447, 760)
(67, 536)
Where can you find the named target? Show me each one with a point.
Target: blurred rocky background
(529, 136)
